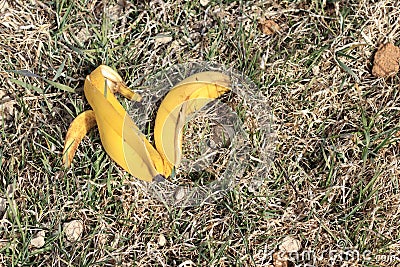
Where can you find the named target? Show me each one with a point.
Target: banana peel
(184, 99)
(121, 137)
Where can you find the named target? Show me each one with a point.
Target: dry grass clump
(334, 181)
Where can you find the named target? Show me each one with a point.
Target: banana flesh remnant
(120, 136)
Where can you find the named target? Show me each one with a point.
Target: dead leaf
(315, 70)
(163, 39)
(268, 26)
(179, 193)
(386, 61)
(204, 2)
(161, 240)
(38, 241)
(73, 230)
(289, 244)
(83, 35)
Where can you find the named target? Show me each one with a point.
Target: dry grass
(334, 183)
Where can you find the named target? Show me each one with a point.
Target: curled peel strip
(228, 142)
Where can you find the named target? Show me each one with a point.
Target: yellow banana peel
(185, 98)
(120, 136)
